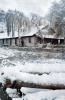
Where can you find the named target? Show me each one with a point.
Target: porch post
(58, 41)
(64, 40)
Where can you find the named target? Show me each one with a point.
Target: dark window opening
(6, 41)
(10, 41)
(54, 41)
(22, 43)
(16, 41)
(3, 41)
(49, 40)
(39, 40)
(29, 40)
(61, 41)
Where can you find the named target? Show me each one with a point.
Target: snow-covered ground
(39, 94)
(46, 95)
(26, 65)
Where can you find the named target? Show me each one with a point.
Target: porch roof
(52, 36)
(33, 31)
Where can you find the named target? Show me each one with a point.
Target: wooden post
(64, 40)
(58, 41)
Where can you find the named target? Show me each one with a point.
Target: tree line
(56, 16)
(17, 21)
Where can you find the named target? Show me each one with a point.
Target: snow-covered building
(34, 38)
(53, 39)
(30, 39)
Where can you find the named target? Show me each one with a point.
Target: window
(3, 41)
(6, 41)
(16, 41)
(10, 41)
(29, 40)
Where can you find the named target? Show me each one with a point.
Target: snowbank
(12, 92)
(26, 90)
(41, 67)
(50, 73)
(46, 95)
(14, 74)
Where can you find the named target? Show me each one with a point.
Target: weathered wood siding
(12, 42)
(1, 42)
(26, 41)
(29, 41)
(5, 42)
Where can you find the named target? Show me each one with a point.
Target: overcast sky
(36, 6)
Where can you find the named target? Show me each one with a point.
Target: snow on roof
(52, 36)
(44, 31)
(33, 31)
(4, 35)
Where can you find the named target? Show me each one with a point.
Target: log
(16, 84)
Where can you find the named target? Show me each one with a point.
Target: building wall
(19, 42)
(7, 42)
(39, 42)
(1, 42)
(31, 41)
(12, 42)
(4, 42)
(28, 41)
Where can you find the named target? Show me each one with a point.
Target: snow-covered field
(26, 66)
(40, 94)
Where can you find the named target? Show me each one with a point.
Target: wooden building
(53, 40)
(23, 41)
(31, 40)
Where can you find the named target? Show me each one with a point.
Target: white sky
(36, 6)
